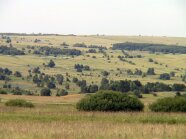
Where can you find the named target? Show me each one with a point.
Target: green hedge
(110, 101)
(3, 92)
(19, 103)
(177, 104)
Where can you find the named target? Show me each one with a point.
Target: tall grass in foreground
(86, 130)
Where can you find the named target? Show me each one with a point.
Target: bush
(62, 92)
(177, 104)
(164, 76)
(3, 92)
(19, 103)
(110, 101)
(17, 91)
(51, 64)
(178, 87)
(45, 92)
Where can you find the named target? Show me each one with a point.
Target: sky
(89, 17)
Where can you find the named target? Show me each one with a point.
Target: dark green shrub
(62, 92)
(45, 92)
(110, 101)
(164, 76)
(19, 103)
(178, 87)
(177, 104)
(178, 93)
(138, 94)
(3, 92)
(17, 91)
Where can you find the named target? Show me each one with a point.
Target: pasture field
(56, 117)
(166, 63)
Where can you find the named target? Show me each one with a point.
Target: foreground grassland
(56, 118)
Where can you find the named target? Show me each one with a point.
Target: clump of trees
(105, 73)
(150, 71)
(138, 72)
(80, 67)
(84, 87)
(110, 101)
(19, 91)
(99, 47)
(122, 58)
(128, 85)
(4, 73)
(91, 51)
(42, 80)
(164, 76)
(10, 51)
(82, 45)
(17, 74)
(45, 92)
(62, 92)
(177, 104)
(64, 44)
(45, 50)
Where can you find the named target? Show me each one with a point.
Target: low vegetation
(177, 104)
(19, 103)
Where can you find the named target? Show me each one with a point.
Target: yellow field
(57, 118)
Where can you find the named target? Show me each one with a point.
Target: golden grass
(69, 99)
(85, 130)
(57, 118)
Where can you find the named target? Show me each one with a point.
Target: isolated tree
(150, 71)
(45, 92)
(8, 40)
(105, 73)
(178, 87)
(151, 60)
(62, 92)
(92, 89)
(164, 76)
(60, 79)
(75, 80)
(172, 74)
(18, 74)
(104, 84)
(184, 78)
(67, 86)
(36, 79)
(51, 64)
(51, 85)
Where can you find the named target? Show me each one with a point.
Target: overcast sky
(109, 17)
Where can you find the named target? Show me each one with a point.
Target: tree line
(10, 51)
(150, 47)
(46, 50)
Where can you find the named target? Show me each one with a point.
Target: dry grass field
(166, 62)
(57, 117)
